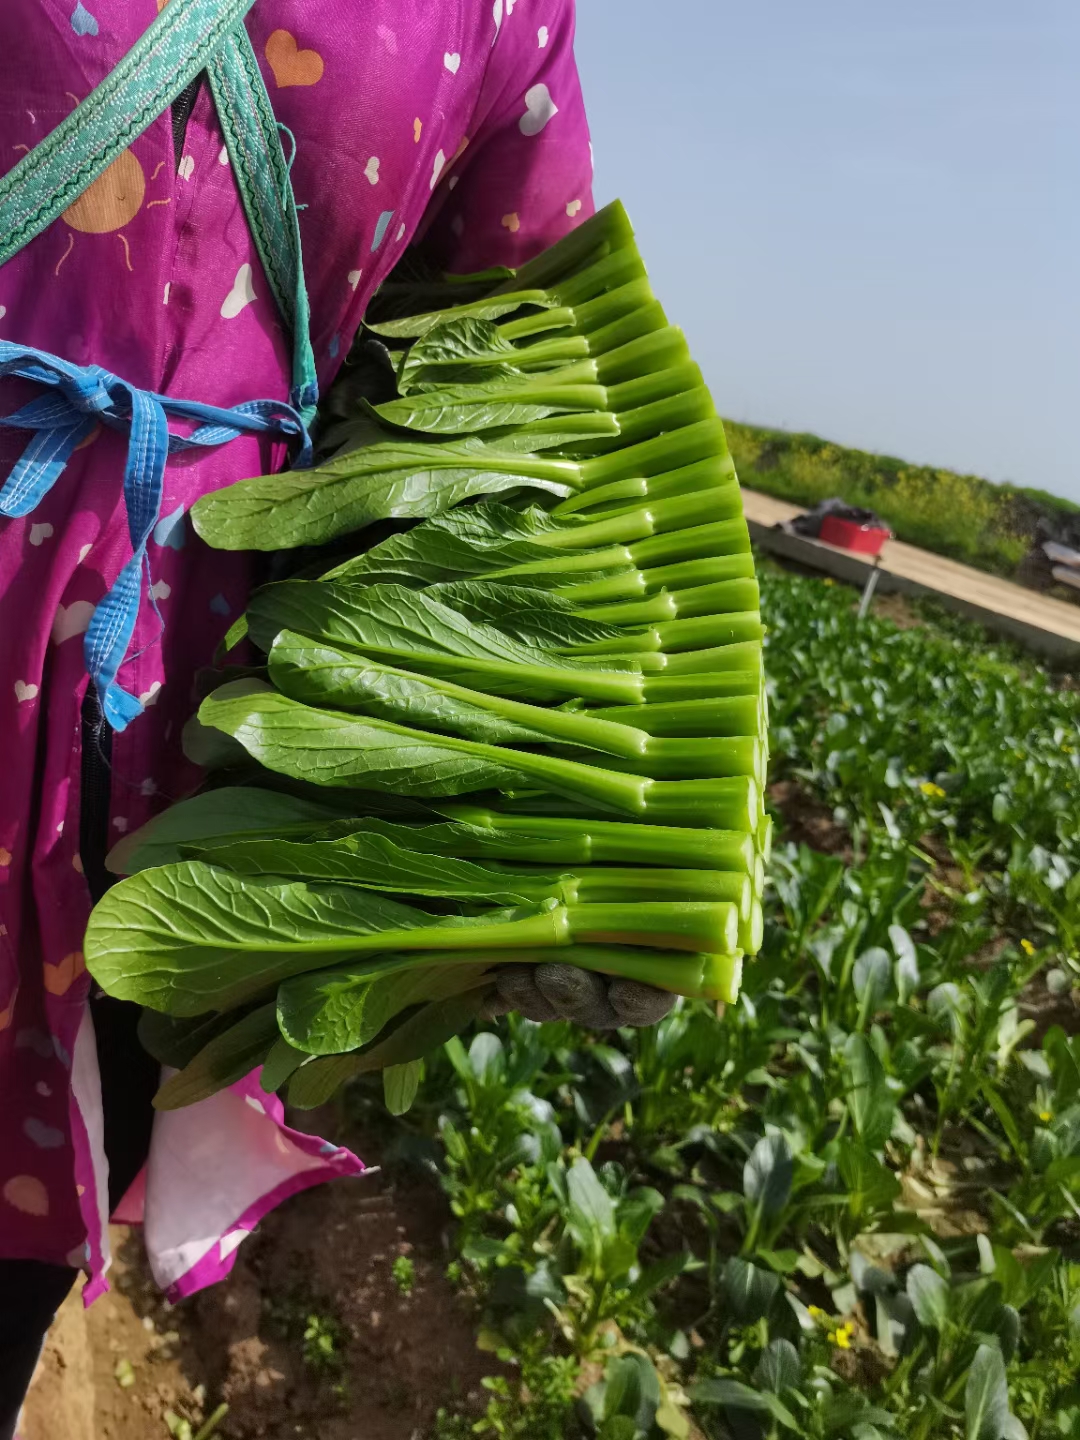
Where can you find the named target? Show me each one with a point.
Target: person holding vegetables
(152, 304)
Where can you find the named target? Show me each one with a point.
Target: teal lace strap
(253, 140)
(175, 48)
(187, 37)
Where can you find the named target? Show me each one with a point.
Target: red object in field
(866, 539)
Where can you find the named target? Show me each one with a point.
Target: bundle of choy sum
(530, 727)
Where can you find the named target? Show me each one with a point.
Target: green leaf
(870, 976)
(660, 1273)
(326, 676)
(869, 1099)
(749, 1291)
(175, 1042)
(768, 1173)
(282, 1062)
(493, 308)
(535, 617)
(387, 480)
(1006, 1326)
(314, 1084)
(487, 1059)
(734, 1395)
(225, 1060)
(331, 1011)
(190, 938)
(907, 962)
(591, 1214)
(461, 544)
(400, 1084)
(414, 630)
(469, 409)
(458, 350)
(779, 1368)
(986, 1396)
(328, 748)
(375, 861)
(929, 1296)
(223, 815)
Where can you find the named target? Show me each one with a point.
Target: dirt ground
(313, 1334)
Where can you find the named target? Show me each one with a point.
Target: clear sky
(865, 215)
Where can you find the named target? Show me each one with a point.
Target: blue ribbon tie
(79, 398)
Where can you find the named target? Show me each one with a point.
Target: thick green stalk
(724, 597)
(732, 804)
(730, 715)
(677, 971)
(634, 524)
(698, 441)
(632, 324)
(569, 841)
(694, 758)
(630, 584)
(721, 978)
(715, 475)
(599, 884)
(697, 542)
(701, 926)
(657, 350)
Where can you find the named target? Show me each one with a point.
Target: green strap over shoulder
(254, 145)
(187, 37)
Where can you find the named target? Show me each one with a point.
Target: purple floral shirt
(458, 122)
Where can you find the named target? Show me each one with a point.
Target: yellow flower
(849, 1327)
(815, 1312)
(842, 1339)
(1027, 947)
(935, 792)
(829, 580)
(1045, 1115)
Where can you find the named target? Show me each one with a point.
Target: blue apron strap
(79, 397)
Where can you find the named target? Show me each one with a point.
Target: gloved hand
(563, 992)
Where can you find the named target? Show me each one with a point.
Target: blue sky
(866, 216)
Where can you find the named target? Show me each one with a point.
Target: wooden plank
(1040, 622)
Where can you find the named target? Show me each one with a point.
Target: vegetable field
(852, 1207)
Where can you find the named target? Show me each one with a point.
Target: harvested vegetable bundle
(530, 727)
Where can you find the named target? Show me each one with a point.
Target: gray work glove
(563, 992)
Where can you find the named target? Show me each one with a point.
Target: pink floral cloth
(456, 121)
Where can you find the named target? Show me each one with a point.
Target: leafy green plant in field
(926, 735)
(874, 1160)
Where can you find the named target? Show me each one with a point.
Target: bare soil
(379, 1358)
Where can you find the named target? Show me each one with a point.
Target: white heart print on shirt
(40, 533)
(452, 62)
(240, 296)
(540, 108)
(371, 170)
(542, 37)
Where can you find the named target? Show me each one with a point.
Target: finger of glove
(637, 1004)
(578, 995)
(516, 985)
(494, 1006)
